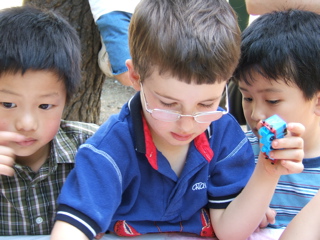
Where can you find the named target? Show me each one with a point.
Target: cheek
(4, 125)
(6, 120)
(160, 127)
(50, 126)
(247, 111)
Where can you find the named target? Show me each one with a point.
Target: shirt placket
(36, 203)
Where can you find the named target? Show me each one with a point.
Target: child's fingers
(287, 154)
(288, 143)
(6, 137)
(292, 166)
(264, 222)
(6, 161)
(99, 235)
(268, 218)
(271, 215)
(6, 152)
(295, 129)
(6, 170)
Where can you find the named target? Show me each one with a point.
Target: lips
(180, 137)
(27, 142)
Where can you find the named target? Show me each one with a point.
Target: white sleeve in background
(101, 7)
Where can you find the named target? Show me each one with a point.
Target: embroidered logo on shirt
(199, 186)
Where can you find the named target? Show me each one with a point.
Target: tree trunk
(85, 105)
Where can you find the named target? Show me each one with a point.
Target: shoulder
(228, 139)
(116, 129)
(74, 133)
(69, 137)
(226, 127)
(74, 127)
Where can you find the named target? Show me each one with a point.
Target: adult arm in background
(258, 7)
(305, 225)
(113, 27)
(112, 18)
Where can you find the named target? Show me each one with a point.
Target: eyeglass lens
(172, 116)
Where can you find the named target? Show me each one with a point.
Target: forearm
(258, 7)
(246, 211)
(305, 225)
(63, 230)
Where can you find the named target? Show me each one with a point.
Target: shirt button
(39, 220)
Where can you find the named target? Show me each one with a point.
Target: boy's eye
(167, 104)
(206, 105)
(45, 106)
(8, 105)
(273, 101)
(247, 99)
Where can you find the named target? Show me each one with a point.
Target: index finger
(295, 129)
(6, 137)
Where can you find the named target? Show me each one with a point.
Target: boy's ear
(317, 104)
(133, 75)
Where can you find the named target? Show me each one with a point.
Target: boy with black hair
(171, 160)
(279, 73)
(39, 73)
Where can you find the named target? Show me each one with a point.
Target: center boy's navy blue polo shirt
(121, 183)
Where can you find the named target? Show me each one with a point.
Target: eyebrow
(263, 90)
(7, 91)
(53, 94)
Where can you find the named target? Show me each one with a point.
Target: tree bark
(85, 105)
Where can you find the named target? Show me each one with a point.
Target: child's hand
(99, 236)
(7, 155)
(289, 153)
(269, 217)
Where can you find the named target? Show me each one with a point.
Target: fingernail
(275, 143)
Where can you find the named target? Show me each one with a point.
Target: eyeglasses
(172, 116)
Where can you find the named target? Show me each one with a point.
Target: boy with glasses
(171, 160)
(279, 73)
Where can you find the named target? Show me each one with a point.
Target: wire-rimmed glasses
(172, 116)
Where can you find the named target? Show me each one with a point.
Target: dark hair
(194, 40)
(283, 46)
(34, 39)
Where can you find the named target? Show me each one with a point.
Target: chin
(25, 152)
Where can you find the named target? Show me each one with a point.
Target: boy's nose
(26, 122)
(257, 113)
(186, 123)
